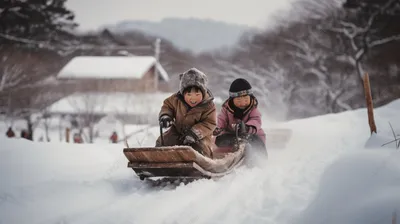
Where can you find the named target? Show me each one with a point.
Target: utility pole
(157, 57)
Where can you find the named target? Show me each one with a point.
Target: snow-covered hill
(330, 172)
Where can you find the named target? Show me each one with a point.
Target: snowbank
(42, 181)
(362, 187)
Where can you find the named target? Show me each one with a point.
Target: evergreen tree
(34, 19)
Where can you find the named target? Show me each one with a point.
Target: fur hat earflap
(193, 77)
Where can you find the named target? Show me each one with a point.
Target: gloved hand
(251, 129)
(217, 131)
(248, 129)
(190, 138)
(165, 121)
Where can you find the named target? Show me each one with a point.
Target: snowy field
(331, 171)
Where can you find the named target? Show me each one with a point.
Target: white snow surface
(332, 171)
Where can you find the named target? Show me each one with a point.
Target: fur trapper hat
(193, 77)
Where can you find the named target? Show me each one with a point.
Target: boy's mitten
(190, 138)
(165, 121)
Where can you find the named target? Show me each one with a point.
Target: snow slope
(330, 172)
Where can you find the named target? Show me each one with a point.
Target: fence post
(67, 134)
(370, 107)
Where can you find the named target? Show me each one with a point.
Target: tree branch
(376, 13)
(383, 41)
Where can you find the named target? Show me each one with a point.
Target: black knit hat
(240, 87)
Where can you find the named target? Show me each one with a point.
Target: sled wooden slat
(160, 154)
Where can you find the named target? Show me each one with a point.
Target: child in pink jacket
(240, 106)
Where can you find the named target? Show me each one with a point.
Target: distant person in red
(78, 138)
(114, 137)
(10, 133)
(25, 134)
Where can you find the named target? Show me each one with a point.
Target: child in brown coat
(190, 113)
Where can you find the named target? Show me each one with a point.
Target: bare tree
(315, 55)
(89, 108)
(10, 77)
(317, 61)
(21, 68)
(45, 120)
(363, 28)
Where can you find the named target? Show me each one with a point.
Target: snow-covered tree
(321, 71)
(366, 24)
(27, 22)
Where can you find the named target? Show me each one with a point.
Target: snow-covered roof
(110, 67)
(110, 103)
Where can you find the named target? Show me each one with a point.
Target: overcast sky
(90, 14)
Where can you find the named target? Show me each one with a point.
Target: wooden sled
(181, 162)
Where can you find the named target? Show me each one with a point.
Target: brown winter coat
(201, 120)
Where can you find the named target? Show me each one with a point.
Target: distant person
(25, 134)
(114, 137)
(10, 133)
(30, 135)
(190, 113)
(78, 138)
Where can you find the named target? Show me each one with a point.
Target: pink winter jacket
(227, 122)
